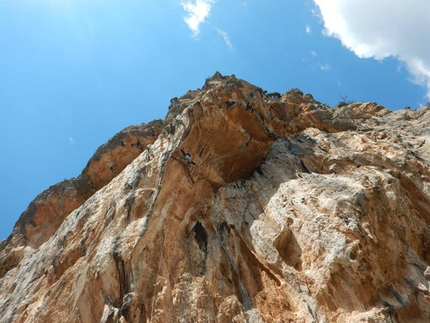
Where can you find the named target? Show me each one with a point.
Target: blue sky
(73, 73)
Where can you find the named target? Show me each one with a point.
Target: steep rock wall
(48, 210)
(291, 212)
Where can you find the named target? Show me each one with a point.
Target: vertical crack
(123, 278)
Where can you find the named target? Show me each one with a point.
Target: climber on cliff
(186, 162)
(187, 158)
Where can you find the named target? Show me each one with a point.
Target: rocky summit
(239, 206)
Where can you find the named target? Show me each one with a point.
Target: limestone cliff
(238, 207)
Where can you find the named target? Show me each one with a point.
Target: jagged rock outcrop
(46, 213)
(291, 212)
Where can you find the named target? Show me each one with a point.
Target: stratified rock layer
(290, 211)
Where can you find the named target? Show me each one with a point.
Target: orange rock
(293, 212)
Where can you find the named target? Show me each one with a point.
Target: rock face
(46, 213)
(285, 211)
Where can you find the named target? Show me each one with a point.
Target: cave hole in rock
(289, 249)
(198, 250)
(200, 235)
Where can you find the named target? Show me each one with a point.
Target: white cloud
(325, 67)
(197, 11)
(383, 28)
(308, 29)
(314, 53)
(227, 40)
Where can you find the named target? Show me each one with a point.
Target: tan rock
(293, 212)
(46, 213)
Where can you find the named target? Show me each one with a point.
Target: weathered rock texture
(293, 212)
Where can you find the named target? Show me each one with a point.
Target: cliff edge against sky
(239, 206)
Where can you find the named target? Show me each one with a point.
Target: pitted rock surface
(293, 212)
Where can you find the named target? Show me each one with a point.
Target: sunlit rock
(292, 212)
